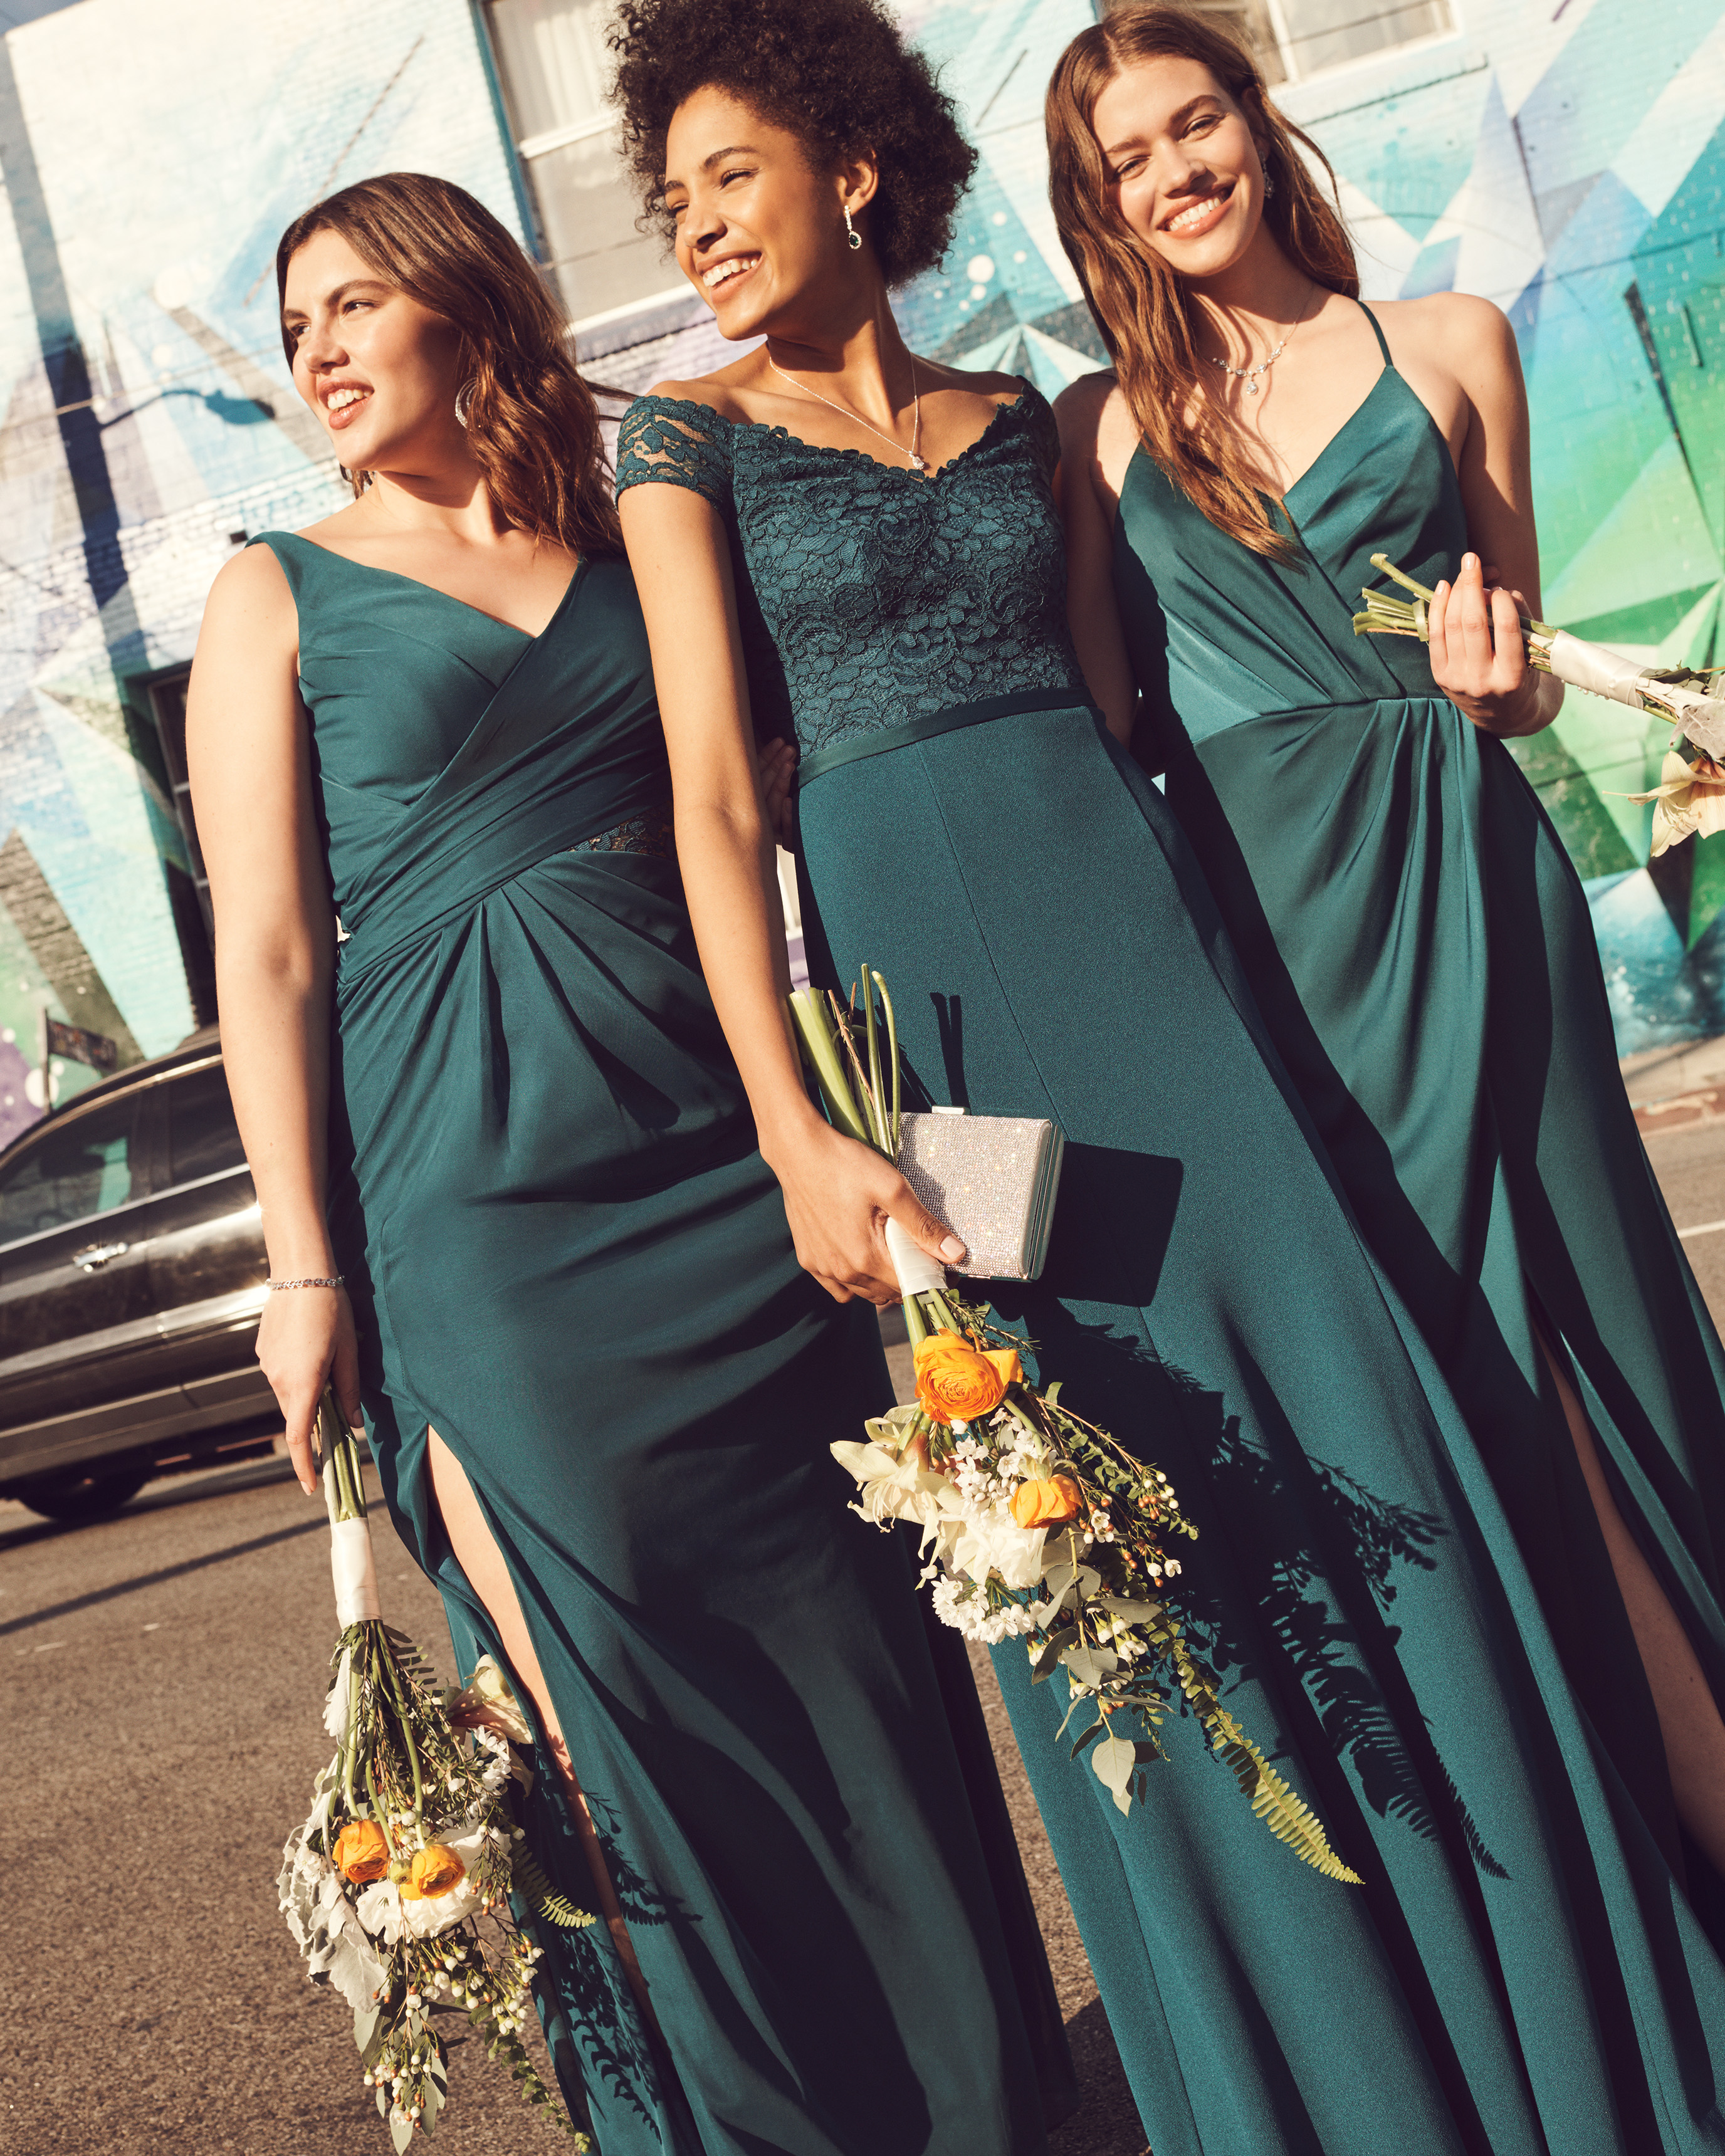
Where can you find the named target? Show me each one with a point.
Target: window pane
(589, 215)
(71, 1172)
(203, 1135)
(553, 60)
(1324, 33)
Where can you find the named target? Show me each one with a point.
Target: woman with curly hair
(599, 1391)
(1418, 943)
(840, 543)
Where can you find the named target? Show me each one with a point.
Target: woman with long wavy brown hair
(1419, 945)
(509, 1174)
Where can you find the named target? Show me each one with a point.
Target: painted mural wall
(151, 151)
(1565, 157)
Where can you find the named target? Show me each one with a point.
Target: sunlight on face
(379, 370)
(1185, 173)
(759, 232)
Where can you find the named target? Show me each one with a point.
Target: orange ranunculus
(435, 1871)
(957, 1383)
(362, 1851)
(1045, 1504)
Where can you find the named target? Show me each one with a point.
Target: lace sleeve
(677, 443)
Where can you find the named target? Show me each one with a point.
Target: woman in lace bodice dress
(840, 542)
(599, 1389)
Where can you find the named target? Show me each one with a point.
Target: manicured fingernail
(953, 1251)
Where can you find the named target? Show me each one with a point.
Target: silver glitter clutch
(992, 1179)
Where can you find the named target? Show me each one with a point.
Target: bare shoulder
(1470, 336)
(251, 590)
(1083, 406)
(712, 391)
(935, 374)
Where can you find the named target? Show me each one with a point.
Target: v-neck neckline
(400, 577)
(1386, 373)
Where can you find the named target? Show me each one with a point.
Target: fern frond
(1288, 1817)
(529, 1881)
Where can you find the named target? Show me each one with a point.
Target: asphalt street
(161, 1678)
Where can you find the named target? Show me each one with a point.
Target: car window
(203, 1137)
(74, 1170)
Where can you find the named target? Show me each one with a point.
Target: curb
(1682, 1111)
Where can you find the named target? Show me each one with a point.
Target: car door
(77, 1319)
(208, 1264)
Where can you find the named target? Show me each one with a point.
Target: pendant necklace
(1249, 375)
(918, 462)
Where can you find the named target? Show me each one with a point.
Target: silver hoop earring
(853, 238)
(464, 402)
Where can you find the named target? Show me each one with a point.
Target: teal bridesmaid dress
(568, 1257)
(1516, 1977)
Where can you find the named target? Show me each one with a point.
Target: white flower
(488, 1701)
(965, 1607)
(386, 1913)
(894, 1486)
(975, 1540)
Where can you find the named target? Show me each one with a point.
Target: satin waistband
(880, 739)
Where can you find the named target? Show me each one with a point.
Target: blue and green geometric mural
(1565, 158)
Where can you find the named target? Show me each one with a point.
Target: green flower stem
(892, 1057)
(877, 1117)
(814, 1031)
(914, 1329)
(401, 1706)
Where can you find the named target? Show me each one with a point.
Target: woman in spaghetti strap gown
(1417, 940)
(838, 540)
(598, 1388)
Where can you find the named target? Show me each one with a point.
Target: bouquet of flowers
(1690, 798)
(1035, 1523)
(398, 1887)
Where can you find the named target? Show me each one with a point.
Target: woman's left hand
(1478, 657)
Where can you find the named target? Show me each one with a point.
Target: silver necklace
(1249, 375)
(918, 462)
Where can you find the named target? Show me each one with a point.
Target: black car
(131, 1279)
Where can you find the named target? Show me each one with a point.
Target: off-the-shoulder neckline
(824, 450)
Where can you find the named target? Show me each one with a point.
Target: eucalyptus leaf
(1116, 1760)
(1090, 1666)
(1095, 1730)
(1045, 1658)
(401, 2132)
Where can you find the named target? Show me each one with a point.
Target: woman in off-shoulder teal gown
(1502, 1982)
(967, 824)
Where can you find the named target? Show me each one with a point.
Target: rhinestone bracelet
(339, 1281)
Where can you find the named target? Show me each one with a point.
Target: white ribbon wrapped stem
(918, 1274)
(1603, 673)
(355, 1572)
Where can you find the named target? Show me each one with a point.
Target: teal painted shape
(1593, 95)
(1433, 269)
(1410, 152)
(1680, 269)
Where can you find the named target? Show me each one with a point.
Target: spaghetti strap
(1378, 332)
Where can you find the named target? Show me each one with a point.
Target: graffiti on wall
(1566, 161)
(150, 427)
